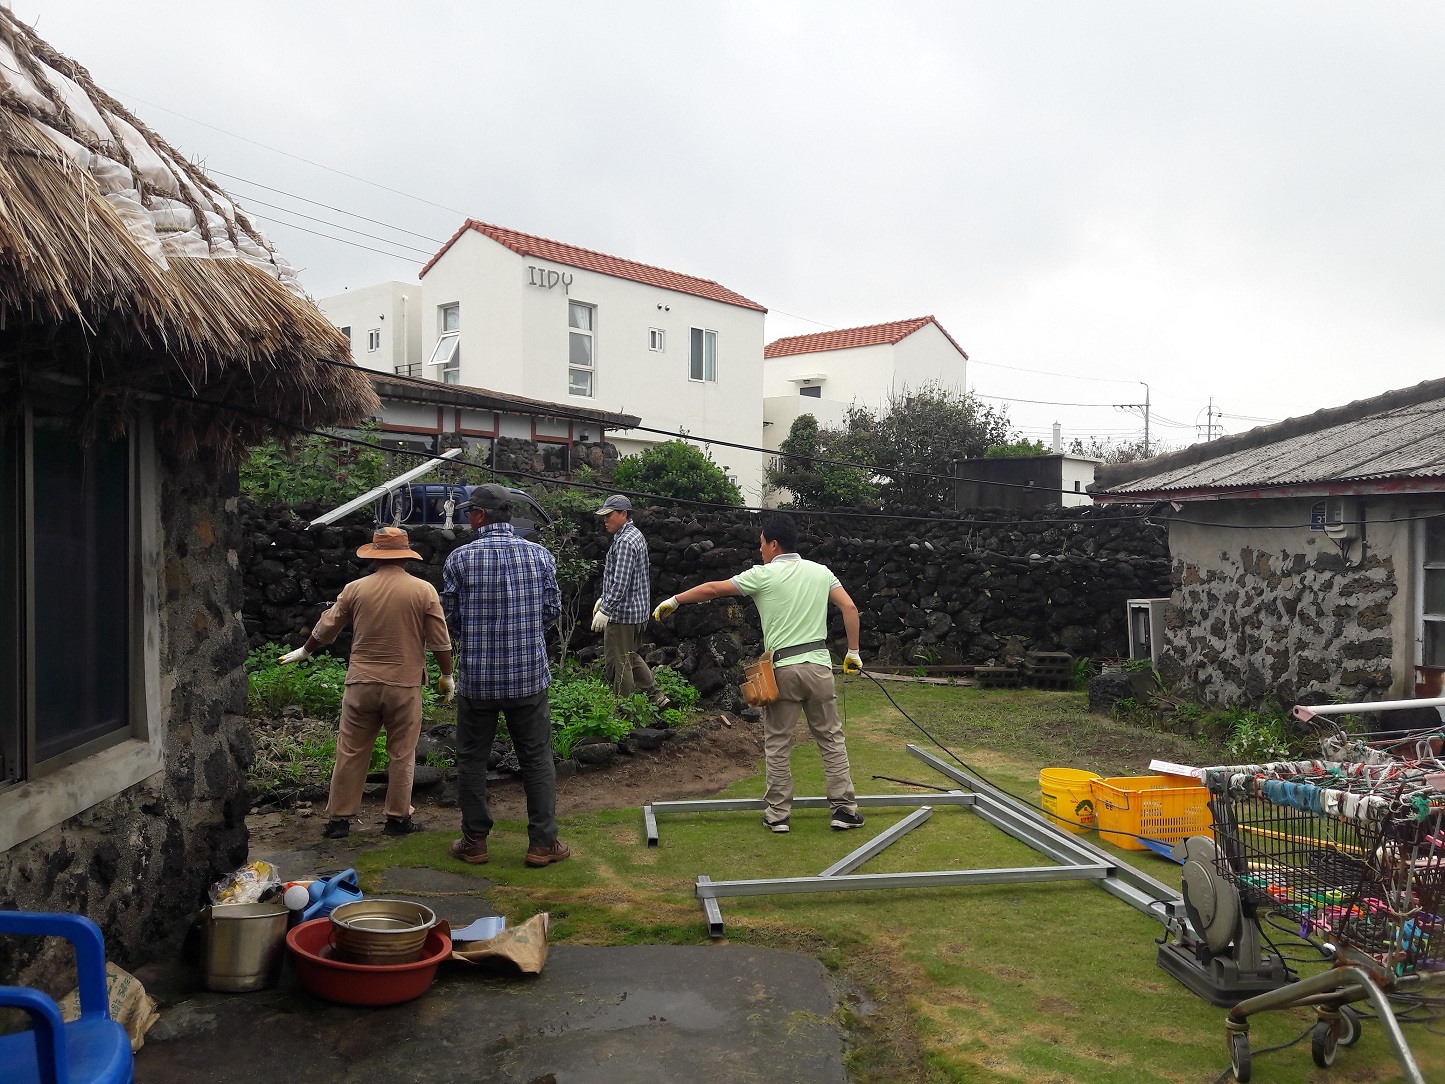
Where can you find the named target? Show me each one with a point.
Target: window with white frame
(447, 354)
(703, 363)
(657, 339)
(346, 331)
(581, 348)
(373, 339)
(1432, 594)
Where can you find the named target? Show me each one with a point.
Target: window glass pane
(815, 391)
(695, 368)
(579, 351)
(81, 578)
(444, 351)
(1435, 591)
(1435, 540)
(709, 355)
(579, 382)
(579, 316)
(1434, 653)
(10, 518)
(451, 317)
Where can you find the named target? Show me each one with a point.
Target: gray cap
(615, 503)
(488, 498)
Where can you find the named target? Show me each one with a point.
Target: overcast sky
(1237, 200)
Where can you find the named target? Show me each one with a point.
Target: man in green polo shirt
(792, 597)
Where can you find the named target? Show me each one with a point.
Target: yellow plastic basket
(1149, 805)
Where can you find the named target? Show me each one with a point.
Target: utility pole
(1146, 419)
(1210, 425)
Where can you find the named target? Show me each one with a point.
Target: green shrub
(676, 468)
(1257, 737)
(583, 705)
(315, 685)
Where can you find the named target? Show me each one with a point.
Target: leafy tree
(1127, 451)
(311, 469)
(814, 484)
(676, 468)
(923, 431)
(1016, 448)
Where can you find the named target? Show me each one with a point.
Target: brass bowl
(380, 931)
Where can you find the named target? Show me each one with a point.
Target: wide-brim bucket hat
(388, 544)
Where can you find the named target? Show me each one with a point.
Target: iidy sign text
(546, 278)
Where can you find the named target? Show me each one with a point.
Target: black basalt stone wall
(956, 588)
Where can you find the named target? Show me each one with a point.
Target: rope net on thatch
(126, 272)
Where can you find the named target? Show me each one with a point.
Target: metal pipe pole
(381, 490)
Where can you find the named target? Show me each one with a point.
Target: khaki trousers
(625, 668)
(367, 708)
(804, 688)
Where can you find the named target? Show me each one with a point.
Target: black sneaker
(842, 819)
(337, 828)
(402, 826)
(776, 826)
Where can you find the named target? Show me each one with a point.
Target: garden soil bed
(724, 750)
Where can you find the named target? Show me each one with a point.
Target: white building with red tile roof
(823, 374)
(523, 315)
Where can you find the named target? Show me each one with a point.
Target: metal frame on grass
(1078, 860)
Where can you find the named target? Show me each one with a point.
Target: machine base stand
(1220, 982)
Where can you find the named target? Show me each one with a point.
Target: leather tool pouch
(760, 684)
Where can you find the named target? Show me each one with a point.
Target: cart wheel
(1349, 1026)
(1239, 1055)
(1323, 1043)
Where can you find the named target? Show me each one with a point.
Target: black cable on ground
(911, 783)
(970, 768)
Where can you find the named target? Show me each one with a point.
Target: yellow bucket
(1068, 797)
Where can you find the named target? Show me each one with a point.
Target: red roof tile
(848, 337)
(525, 244)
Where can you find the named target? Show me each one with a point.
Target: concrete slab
(630, 1015)
(422, 879)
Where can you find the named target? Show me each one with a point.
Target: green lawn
(1047, 982)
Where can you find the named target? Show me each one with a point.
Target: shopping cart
(1352, 853)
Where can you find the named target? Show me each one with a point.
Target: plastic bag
(252, 883)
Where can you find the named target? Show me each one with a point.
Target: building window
(345, 331)
(581, 357)
(447, 354)
(450, 317)
(373, 339)
(657, 339)
(703, 364)
(812, 391)
(1432, 609)
(1076, 487)
(66, 594)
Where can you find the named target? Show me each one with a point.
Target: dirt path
(723, 750)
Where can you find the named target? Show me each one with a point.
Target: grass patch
(1005, 983)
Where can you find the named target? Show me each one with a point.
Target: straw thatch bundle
(125, 271)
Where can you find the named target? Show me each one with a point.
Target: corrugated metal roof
(1407, 442)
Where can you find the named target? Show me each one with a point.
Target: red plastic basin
(362, 984)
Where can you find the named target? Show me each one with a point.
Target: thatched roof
(124, 267)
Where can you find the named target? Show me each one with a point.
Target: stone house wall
(140, 863)
(1265, 610)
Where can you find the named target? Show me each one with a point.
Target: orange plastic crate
(1150, 805)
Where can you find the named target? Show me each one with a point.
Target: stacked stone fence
(936, 588)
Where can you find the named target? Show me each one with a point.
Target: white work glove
(853, 663)
(596, 606)
(447, 686)
(299, 655)
(599, 620)
(665, 609)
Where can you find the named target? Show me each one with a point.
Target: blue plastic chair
(91, 1050)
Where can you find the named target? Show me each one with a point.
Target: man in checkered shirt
(500, 593)
(626, 601)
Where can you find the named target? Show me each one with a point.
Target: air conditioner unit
(1145, 617)
(1342, 517)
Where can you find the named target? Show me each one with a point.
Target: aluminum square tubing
(879, 843)
(735, 805)
(711, 911)
(868, 882)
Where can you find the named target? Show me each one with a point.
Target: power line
(288, 154)
(343, 240)
(328, 206)
(1045, 372)
(1047, 402)
(339, 226)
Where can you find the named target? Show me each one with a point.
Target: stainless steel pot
(245, 944)
(380, 931)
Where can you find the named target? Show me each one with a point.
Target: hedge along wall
(952, 588)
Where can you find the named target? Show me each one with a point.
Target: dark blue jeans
(529, 721)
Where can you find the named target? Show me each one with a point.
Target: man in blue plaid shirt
(499, 593)
(626, 601)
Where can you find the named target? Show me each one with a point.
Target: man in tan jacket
(395, 618)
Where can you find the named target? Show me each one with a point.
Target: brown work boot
(545, 856)
(470, 850)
